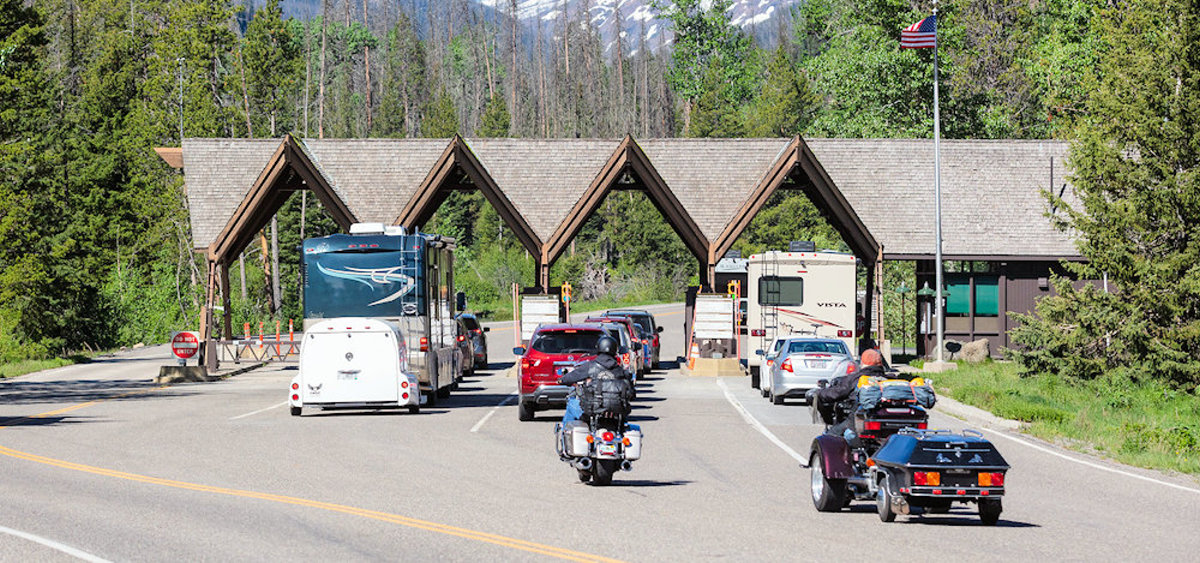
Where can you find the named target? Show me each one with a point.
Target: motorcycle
(892, 459)
(599, 446)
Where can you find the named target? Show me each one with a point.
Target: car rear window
(471, 323)
(822, 347)
(642, 321)
(566, 341)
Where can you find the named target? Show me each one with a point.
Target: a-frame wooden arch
(458, 169)
(288, 170)
(628, 158)
(798, 165)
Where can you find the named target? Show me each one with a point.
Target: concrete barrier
(714, 367)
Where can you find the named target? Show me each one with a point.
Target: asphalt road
(98, 463)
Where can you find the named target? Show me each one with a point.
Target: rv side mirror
(486, 329)
(460, 301)
(759, 352)
(658, 329)
(519, 351)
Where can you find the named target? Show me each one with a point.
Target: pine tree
(439, 118)
(1136, 170)
(496, 119)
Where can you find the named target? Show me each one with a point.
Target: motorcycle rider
(604, 365)
(841, 388)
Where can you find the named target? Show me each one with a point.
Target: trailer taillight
(295, 397)
(927, 478)
(991, 479)
(404, 396)
(295, 386)
(404, 385)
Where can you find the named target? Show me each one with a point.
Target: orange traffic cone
(695, 353)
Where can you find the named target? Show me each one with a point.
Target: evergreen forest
(96, 250)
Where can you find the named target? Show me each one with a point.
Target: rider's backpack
(606, 393)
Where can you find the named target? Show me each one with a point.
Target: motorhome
(799, 293)
(384, 273)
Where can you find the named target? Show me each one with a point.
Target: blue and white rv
(386, 275)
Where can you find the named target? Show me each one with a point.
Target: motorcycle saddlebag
(634, 449)
(576, 433)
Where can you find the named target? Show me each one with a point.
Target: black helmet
(606, 345)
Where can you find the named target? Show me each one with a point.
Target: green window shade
(958, 300)
(987, 296)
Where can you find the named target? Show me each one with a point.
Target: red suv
(554, 350)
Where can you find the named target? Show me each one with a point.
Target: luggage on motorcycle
(575, 435)
(634, 450)
(896, 390)
(606, 395)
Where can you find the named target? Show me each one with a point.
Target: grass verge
(29, 366)
(1139, 424)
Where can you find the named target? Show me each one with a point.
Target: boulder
(952, 349)
(975, 352)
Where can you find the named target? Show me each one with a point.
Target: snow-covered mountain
(636, 16)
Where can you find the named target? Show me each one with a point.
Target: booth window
(958, 298)
(987, 296)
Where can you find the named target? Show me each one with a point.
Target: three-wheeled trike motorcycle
(891, 458)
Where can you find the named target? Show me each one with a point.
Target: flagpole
(937, 199)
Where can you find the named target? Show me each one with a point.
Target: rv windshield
(775, 290)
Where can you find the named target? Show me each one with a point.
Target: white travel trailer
(799, 293)
(354, 362)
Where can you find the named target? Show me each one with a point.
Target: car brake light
(850, 368)
(461, 338)
(845, 334)
(758, 332)
(872, 425)
(424, 344)
(927, 478)
(608, 436)
(922, 425)
(787, 365)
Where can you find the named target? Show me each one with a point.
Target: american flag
(920, 35)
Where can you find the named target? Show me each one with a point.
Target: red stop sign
(185, 344)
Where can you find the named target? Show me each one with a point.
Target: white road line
(489, 414)
(259, 411)
(737, 405)
(82, 555)
(1088, 463)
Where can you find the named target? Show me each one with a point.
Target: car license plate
(816, 364)
(607, 449)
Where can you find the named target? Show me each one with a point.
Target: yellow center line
(426, 525)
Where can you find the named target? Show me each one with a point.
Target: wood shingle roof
(991, 193)
(991, 202)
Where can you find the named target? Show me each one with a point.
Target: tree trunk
(321, 81)
(512, 71)
(367, 62)
(242, 268)
(245, 94)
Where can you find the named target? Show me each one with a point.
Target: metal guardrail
(258, 350)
